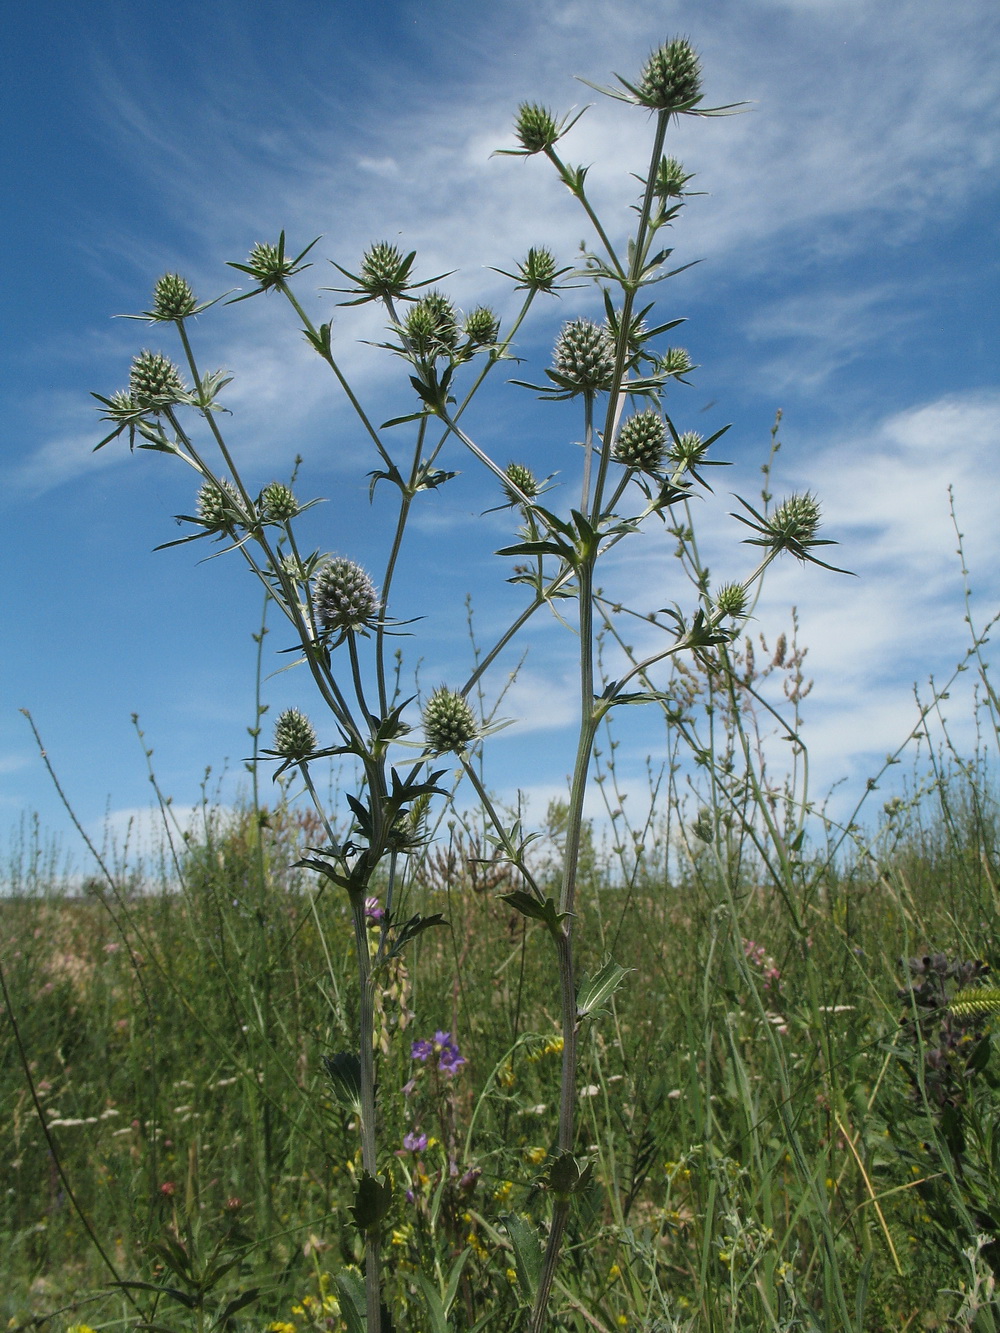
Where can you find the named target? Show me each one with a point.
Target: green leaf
(595, 990)
(567, 1175)
(237, 1303)
(527, 1254)
(437, 1320)
(528, 905)
(372, 1202)
(352, 1301)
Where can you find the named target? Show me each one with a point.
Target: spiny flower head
(676, 361)
(155, 382)
(536, 128)
(524, 480)
(688, 450)
(384, 271)
(482, 328)
(670, 179)
(796, 520)
(584, 357)
(449, 722)
(641, 441)
(173, 298)
(731, 600)
(671, 77)
(294, 735)
(219, 506)
(277, 502)
(344, 596)
(431, 326)
(538, 272)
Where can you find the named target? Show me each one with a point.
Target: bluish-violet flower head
(373, 909)
(450, 1060)
(441, 1039)
(414, 1142)
(421, 1050)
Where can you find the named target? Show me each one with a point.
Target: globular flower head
(173, 298)
(538, 271)
(344, 596)
(670, 179)
(584, 357)
(277, 502)
(384, 271)
(524, 480)
(671, 77)
(482, 328)
(796, 520)
(155, 382)
(731, 600)
(218, 506)
(431, 326)
(688, 450)
(449, 723)
(641, 441)
(294, 735)
(536, 128)
(676, 361)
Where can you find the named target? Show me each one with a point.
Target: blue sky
(849, 276)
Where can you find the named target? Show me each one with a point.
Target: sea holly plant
(638, 466)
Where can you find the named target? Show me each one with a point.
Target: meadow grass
(764, 1116)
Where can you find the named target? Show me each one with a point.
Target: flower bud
(431, 326)
(218, 506)
(584, 356)
(670, 179)
(675, 361)
(344, 596)
(449, 723)
(688, 450)
(671, 77)
(155, 382)
(172, 297)
(796, 520)
(294, 735)
(482, 326)
(538, 271)
(524, 480)
(535, 127)
(277, 503)
(731, 600)
(641, 441)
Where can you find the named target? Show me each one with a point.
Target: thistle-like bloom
(688, 450)
(344, 596)
(277, 502)
(676, 361)
(482, 328)
(536, 128)
(155, 382)
(270, 267)
(294, 735)
(173, 298)
(431, 326)
(449, 722)
(218, 506)
(641, 441)
(384, 271)
(671, 78)
(670, 179)
(796, 520)
(524, 480)
(584, 357)
(731, 600)
(538, 272)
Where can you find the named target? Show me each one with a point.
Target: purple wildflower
(421, 1050)
(373, 910)
(414, 1142)
(450, 1060)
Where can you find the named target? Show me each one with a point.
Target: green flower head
(641, 441)
(155, 382)
(449, 723)
(294, 735)
(671, 77)
(277, 503)
(344, 596)
(584, 357)
(173, 298)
